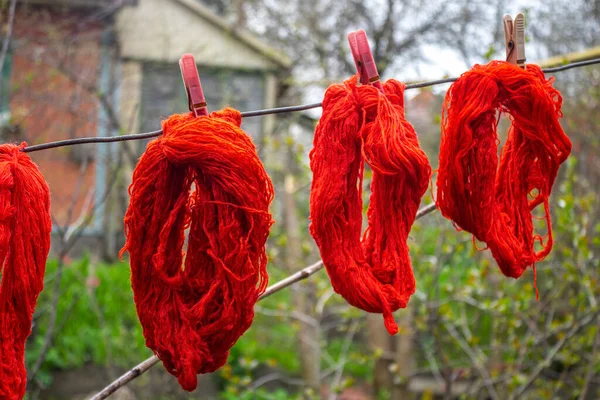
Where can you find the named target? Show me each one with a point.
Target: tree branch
(290, 280)
(577, 326)
(293, 314)
(485, 376)
(591, 366)
(352, 329)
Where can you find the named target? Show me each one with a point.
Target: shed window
(163, 93)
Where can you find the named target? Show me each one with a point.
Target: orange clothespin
(363, 58)
(193, 87)
(514, 39)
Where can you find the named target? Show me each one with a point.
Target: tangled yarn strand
(360, 124)
(494, 201)
(202, 175)
(25, 227)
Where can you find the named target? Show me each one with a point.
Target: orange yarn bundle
(359, 123)
(25, 227)
(202, 175)
(495, 201)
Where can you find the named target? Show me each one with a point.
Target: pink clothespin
(363, 58)
(193, 87)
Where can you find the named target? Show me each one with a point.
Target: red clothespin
(193, 87)
(514, 39)
(363, 58)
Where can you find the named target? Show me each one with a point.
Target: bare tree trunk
(240, 14)
(382, 344)
(308, 335)
(404, 354)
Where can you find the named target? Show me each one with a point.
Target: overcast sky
(440, 61)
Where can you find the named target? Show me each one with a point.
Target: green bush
(96, 320)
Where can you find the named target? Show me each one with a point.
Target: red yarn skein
(494, 202)
(202, 175)
(25, 227)
(359, 123)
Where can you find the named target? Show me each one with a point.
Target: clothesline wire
(267, 111)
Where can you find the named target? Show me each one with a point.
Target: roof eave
(75, 3)
(247, 38)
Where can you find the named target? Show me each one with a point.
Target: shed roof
(162, 30)
(77, 3)
(243, 35)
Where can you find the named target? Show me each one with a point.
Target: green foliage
(270, 341)
(489, 54)
(469, 315)
(260, 394)
(96, 318)
(270, 345)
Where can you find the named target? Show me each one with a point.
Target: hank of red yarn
(491, 200)
(25, 227)
(202, 175)
(360, 124)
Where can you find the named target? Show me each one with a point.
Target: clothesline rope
(267, 111)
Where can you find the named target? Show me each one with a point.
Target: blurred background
(72, 68)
